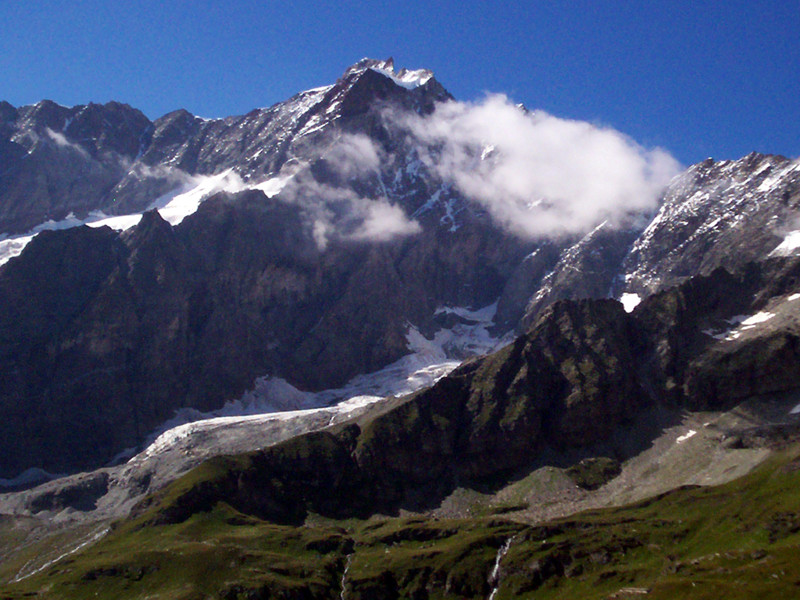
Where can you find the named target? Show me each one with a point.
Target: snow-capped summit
(406, 78)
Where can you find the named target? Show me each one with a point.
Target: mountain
(714, 214)
(297, 324)
(191, 315)
(469, 458)
(111, 158)
(266, 248)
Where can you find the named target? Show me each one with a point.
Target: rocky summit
(300, 347)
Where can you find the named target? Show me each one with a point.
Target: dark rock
(591, 473)
(584, 369)
(79, 495)
(587, 269)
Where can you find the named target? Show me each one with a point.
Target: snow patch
(686, 436)
(173, 206)
(757, 318)
(176, 206)
(739, 324)
(790, 243)
(271, 187)
(405, 78)
(629, 301)
(13, 245)
(775, 178)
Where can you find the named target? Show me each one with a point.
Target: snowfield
(630, 301)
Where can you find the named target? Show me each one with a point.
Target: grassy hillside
(739, 540)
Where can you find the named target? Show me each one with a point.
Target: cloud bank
(537, 174)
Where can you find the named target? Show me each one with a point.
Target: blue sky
(697, 78)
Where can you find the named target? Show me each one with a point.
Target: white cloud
(340, 212)
(538, 174)
(383, 221)
(353, 155)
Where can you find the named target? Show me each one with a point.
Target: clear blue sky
(698, 78)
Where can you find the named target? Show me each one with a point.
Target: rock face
(58, 160)
(587, 269)
(579, 374)
(111, 333)
(716, 214)
(302, 273)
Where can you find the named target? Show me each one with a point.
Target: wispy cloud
(340, 213)
(353, 155)
(61, 140)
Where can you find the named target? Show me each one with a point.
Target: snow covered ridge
(711, 201)
(273, 398)
(405, 78)
(173, 207)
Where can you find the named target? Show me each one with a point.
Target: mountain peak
(370, 63)
(406, 78)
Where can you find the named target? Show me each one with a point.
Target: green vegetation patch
(739, 540)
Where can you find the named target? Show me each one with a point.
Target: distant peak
(404, 77)
(370, 63)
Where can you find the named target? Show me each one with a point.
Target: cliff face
(583, 372)
(306, 266)
(110, 333)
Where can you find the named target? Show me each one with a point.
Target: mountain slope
(307, 241)
(583, 372)
(739, 539)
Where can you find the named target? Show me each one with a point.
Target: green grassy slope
(739, 540)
